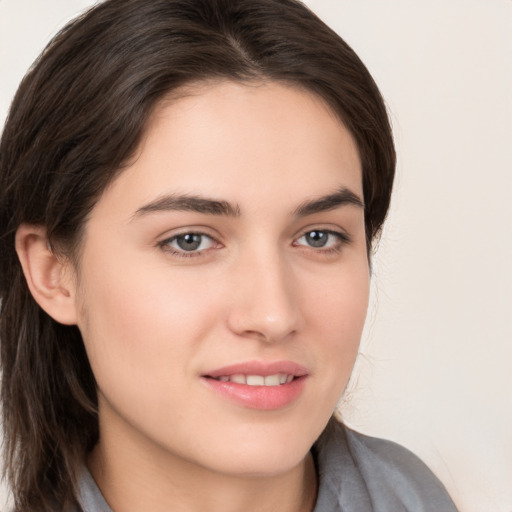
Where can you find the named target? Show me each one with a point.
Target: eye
(322, 239)
(187, 244)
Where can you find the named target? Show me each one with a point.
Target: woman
(190, 191)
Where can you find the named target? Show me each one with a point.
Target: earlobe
(49, 277)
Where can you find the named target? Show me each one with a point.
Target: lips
(258, 385)
(277, 379)
(260, 368)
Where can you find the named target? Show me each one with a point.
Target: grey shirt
(356, 473)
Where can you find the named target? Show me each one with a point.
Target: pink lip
(259, 368)
(258, 397)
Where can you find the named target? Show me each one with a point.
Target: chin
(264, 464)
(262, 452)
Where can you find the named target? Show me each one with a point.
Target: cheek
(341, 304)
(338, 313)
(143, 337)
(141, 327)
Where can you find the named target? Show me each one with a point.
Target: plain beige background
(436, 369)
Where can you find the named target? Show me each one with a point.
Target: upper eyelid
(341, 233)
(199, 230)
(343, 238)
(171, 238)
(165, 246)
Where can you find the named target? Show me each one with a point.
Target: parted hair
(76, 119)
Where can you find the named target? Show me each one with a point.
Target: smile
(258, 385)
(277, 379)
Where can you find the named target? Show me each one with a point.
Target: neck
(134, 475)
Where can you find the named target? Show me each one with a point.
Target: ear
(49, 276)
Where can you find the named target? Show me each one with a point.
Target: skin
(155, 318)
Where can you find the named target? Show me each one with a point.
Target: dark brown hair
(77, 117)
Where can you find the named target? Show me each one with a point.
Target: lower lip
(266, 398)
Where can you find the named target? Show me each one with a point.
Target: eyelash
(342, 239)
(181, 253)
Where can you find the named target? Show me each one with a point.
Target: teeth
(257, 380)
(272, 380)
(239, 379)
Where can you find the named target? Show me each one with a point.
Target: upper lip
(259, 368)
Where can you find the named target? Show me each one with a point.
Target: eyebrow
(207, 206)
(189, 203)
(342, 197)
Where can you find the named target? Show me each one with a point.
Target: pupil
(189, 242)
(316, 238)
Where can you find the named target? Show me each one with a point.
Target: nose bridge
(265, 303)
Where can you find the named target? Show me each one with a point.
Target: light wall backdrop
(435, 373)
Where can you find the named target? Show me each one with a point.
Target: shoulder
(392, 476)
(385, 456)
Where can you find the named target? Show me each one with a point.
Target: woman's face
(223, 280)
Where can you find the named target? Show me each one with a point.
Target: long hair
(76, 119)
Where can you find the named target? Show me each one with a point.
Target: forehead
(240, 141)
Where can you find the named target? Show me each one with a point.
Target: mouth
(258, 385)
(277, 379)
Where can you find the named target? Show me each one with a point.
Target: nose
(265, 302)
